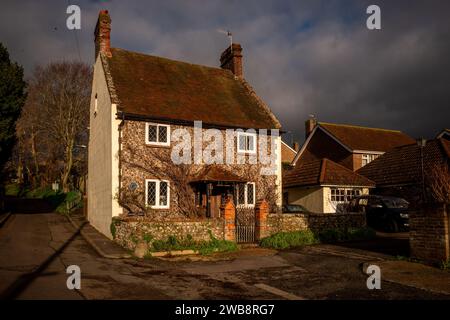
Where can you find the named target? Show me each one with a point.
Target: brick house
(405, 170)
(420, 173)
(288, 153)
(141, 104)
(323, 175)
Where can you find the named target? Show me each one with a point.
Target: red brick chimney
(296, 146)
(310, 124)
(231, 59)
(102, 34)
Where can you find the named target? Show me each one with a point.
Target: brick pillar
(261, 212)
(229, 214)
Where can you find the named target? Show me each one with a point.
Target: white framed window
(157, 134)
(246, 194)
(341, 195)
(246, 142)
(157, 194)
(367, 158)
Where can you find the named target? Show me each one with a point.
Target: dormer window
(157, 134)
(246, 142)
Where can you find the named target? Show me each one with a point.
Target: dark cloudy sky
(302, 57)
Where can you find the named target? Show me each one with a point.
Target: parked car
(384, 213)
(294, 208)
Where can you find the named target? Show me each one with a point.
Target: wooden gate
(245, 225)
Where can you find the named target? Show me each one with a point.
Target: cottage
(143, 107)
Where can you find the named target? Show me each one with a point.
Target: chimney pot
(296, 146)
(231, 59)
(103, 34)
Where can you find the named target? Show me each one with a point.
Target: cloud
(301, 57)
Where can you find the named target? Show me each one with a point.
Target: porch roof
(214, 173)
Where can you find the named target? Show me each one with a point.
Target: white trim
(343, 186)
(318, 126)
(290, 148)
(157, 194)
(443, 133)
(246, 205)
(367, 152)
(248, 134)
(153, 143)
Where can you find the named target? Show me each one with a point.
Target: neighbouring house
(322, 185)
(445, 134)
(420, 173)
(322, 176)
(408, 171)
(288, 153)
(144, 121)
(349, 145)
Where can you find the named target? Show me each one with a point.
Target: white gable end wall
(103, 171)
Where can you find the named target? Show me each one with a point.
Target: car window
(375, 202)
(395, 203)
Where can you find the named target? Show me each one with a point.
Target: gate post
(261, 213)
(229, 214)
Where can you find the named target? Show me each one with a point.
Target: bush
(188, 243)
(445, 265)
(12, 190)
(284, 240)
(336, 235)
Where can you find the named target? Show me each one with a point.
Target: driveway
(35, 250)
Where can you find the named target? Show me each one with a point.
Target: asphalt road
(35, 250)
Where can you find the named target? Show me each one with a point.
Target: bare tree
(56, 117)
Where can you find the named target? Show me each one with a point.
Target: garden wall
(314, 221)
(429, 233)
(131, 230)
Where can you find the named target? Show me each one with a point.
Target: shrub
(188, 243)
(284, 240)
(12, 190)
(445, 265)
(336, 235)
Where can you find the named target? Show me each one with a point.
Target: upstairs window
(246, 142)
(157, 194)
(367, 158)
(157, 134)
(246, 194)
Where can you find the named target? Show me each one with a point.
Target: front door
(215, 205)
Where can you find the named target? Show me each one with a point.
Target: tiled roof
(215, 173)
(160, 88)
(323, 172)
(368, 139)
(403, 165)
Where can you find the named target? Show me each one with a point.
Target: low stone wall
(429, 233)
(284, 222)
(131, 230)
